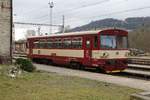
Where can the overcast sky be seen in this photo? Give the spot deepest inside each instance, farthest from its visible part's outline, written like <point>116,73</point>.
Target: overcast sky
<point>76,12</point>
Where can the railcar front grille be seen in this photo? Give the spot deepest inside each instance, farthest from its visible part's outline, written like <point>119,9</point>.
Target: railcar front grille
<point>116,62</point>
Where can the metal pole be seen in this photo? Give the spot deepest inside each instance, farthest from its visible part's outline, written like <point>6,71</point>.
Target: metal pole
<point>39,30</point>
<point>51,5</point>
<point>63,23</point>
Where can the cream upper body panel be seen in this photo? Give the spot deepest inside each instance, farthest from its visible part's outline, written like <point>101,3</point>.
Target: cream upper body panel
<point>109,54</point>
<point>96,54</point>
<point>60,52</point>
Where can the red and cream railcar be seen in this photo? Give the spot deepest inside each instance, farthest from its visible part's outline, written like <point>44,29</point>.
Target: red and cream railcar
<point>103,49</point>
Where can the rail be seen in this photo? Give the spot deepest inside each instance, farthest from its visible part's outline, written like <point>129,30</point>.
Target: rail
<point>142,61</point>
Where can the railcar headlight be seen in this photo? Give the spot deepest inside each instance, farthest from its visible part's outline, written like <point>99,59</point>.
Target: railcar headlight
<point>127,54</point>
<point>105,54</point>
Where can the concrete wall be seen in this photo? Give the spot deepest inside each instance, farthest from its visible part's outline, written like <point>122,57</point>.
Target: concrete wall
<point>5,30</point>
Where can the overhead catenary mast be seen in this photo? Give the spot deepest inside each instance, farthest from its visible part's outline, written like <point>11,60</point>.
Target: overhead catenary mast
<point>63,23</point>
<point>51,5</point>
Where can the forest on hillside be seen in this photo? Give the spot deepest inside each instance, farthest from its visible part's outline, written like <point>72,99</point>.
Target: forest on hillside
<point>129,24</point>
<point>140,38</point>
<point>139,34</point>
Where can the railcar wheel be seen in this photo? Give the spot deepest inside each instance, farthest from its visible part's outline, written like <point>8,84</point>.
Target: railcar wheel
<point>35,60</point>
<point>49,62</point>
<point>100,70</point>
<point>76,65</point>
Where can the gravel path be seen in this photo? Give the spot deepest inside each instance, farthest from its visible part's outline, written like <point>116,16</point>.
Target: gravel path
<point>130,82</point>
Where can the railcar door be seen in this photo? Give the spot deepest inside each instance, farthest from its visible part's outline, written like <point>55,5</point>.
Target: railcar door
<point>88,51</point>
<point>30,47</point>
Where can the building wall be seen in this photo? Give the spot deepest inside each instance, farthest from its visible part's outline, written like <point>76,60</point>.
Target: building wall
<point>20,47</point>
<point>5,30</point>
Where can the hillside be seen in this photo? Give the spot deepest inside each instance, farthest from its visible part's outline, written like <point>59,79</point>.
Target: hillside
<point>128,23</point>
<point>140,38</point>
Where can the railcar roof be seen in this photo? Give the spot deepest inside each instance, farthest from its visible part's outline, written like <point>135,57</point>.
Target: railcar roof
<point>75,33</point>
<point>68,34</point>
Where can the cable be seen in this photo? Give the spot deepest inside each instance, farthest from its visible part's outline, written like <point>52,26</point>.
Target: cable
<point>88,5</point>
<point>124,11</point>
<point>118,12</point>
<point>77,8</point>
<point>114,13</point>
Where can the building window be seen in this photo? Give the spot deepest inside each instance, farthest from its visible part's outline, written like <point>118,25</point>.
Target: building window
<point>27,44</point>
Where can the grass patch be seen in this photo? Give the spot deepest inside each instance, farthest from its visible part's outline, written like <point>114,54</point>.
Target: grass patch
<point>50,86</point>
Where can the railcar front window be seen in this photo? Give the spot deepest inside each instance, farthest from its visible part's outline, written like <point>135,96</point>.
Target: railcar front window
<point>113,42</point>
<point>122,42</point>
<point>108,42</point>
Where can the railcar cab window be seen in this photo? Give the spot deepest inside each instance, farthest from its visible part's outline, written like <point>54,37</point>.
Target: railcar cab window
<point>77,42</point>
<point>122,42</point>
<point>113,42</point>
<point>108,42</point>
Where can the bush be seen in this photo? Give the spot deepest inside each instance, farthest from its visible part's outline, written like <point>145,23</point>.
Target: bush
<point>25,64</point>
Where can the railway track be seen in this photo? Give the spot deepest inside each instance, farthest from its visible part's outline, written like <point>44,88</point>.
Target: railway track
<point>137,71</point>
<point>137,68</point>
<point>139,60</point>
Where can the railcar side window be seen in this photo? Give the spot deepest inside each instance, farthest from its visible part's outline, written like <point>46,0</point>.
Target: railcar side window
<point>95,41</point>
<point>49,43</point>
<point>77,42</point>
<point>88,44</point>
<point>67,43</point>
<point>36,44</point>
<point>57,43</point>
<point>122,42</point>
<point>43,43</point>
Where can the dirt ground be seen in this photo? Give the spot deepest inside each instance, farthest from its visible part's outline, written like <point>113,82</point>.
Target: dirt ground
<point>130,82</point>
